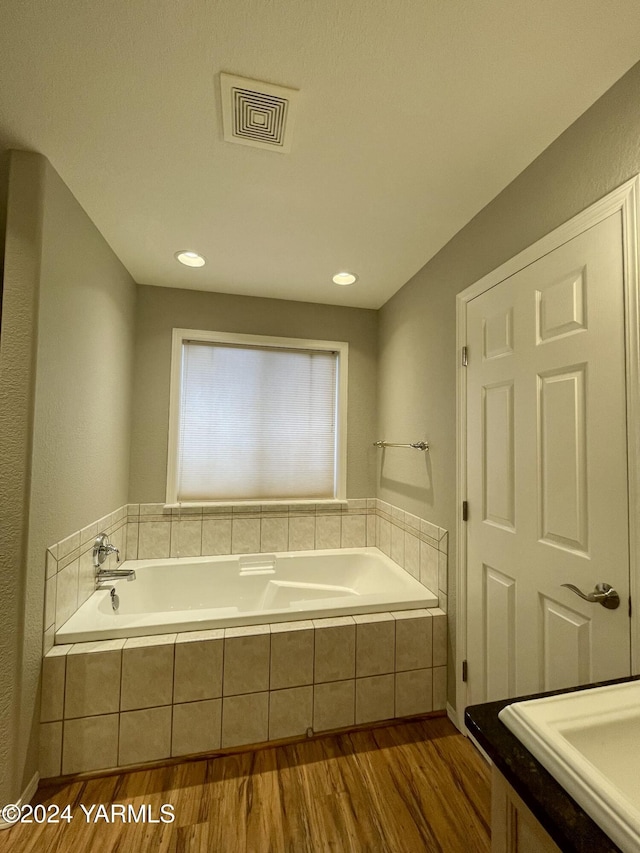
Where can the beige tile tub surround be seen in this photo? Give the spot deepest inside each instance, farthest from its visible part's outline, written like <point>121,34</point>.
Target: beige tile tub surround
<point>415,692</point>
<point>90,743</point>
<point>334,705</point>
<point>198,665</point>
<point>328,531</point>
<point>216,536</point>
<point>439,622</point>
<point>290,712</point>
<point>131,541</point>
<point>50,750</point>
<point>419,546</point>
<point>292,654</point>
<point>414,640</point>
<point>354,531</point>
<point>375,644</point>
<point>439,686</point>
<point>246,660</point>
<point>93,679</point>
<point>412,554</point>
<point>245,719</point>
<point>397,544</point>
<point>53,682</point>
<point>154,540</point>
<point>274,533</point>
<point>87,574</point>
<point>147,531</point>
<point>429,565</point>
<point>145,735</point>
<point>196,727</point>
<point>302,533</point>
<point>245,536</point>
<point>66,592</point>
<point>69,570</point>
<point>117,703</point>
<point>147,672</point>
<point>122,702</point>
<point>186,537</point>
<point>335,651</point>
<point>375,698</point>
<point>233,529</point>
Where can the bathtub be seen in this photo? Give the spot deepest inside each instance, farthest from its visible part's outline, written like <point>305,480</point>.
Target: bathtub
<point>198,593</point>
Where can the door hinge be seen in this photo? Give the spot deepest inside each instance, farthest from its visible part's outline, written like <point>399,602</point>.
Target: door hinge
<point>465,511</point>
<point>465,670</point>
<point>629,606</point>
<point>465,357</point>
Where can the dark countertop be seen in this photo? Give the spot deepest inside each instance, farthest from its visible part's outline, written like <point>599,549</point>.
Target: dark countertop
<point>570,827</point>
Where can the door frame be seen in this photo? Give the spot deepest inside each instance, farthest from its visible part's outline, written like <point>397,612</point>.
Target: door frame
<point>626,201</point>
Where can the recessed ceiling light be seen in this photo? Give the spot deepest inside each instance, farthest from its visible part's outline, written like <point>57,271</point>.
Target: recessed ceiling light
<point>345,278</point>
<point>190,259</point>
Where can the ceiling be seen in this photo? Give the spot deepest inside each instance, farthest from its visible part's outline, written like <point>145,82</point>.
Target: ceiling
<point>412,116</point>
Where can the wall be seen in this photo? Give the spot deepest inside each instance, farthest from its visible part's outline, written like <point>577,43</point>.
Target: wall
<point>161,309</point>
<point>17,371</point>
<point>417,355</point>
<point>4,185</point>
<point>77,467</point>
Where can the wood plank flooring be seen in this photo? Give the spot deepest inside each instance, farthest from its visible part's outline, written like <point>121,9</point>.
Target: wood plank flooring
<point>406,788</point>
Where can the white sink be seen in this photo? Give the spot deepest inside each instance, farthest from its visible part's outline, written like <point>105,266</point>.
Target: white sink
<point>590,742</point>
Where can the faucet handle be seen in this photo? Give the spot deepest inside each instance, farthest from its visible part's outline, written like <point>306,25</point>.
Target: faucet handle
<point>99,551</point>
<point>102,548</point>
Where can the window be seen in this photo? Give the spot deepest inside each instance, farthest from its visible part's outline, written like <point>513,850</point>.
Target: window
<point>256,419</point>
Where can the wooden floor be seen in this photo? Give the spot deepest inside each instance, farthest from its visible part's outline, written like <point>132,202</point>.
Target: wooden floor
<point>406,788</point>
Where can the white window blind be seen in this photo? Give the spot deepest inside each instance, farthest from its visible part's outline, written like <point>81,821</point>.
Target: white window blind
<point>256,423</point>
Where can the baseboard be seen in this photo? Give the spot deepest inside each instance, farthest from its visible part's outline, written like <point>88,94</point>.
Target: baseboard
<point>480,749</point>
<point>459,724</point>
<point>24,798</point>
<point>455,719</point>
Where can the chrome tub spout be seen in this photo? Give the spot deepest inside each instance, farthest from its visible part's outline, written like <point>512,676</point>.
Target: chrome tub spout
<point>114,574</point>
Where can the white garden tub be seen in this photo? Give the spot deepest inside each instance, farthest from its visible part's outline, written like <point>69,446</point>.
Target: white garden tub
<point>197,593</point>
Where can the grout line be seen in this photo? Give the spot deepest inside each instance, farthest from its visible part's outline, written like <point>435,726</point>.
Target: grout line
<point>119,703</point>
<point>172,704</point>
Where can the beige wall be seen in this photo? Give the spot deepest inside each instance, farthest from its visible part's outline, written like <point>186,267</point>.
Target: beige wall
<point>18,336</point>
<point>417,326</point>
<point>83,310</point>
<point>161,309</point>
<point>4,183</point>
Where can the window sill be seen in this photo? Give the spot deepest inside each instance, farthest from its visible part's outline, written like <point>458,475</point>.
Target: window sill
<point>204,504</point>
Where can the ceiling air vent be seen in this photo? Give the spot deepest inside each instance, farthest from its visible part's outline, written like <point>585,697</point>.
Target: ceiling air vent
<point>256,113</point>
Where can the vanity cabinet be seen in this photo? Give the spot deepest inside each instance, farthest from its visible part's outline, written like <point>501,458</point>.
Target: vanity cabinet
<point>513,828</point>
<point>531,811</point>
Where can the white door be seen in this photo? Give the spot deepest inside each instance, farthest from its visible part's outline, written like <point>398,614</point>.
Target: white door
<point>547,472</point>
